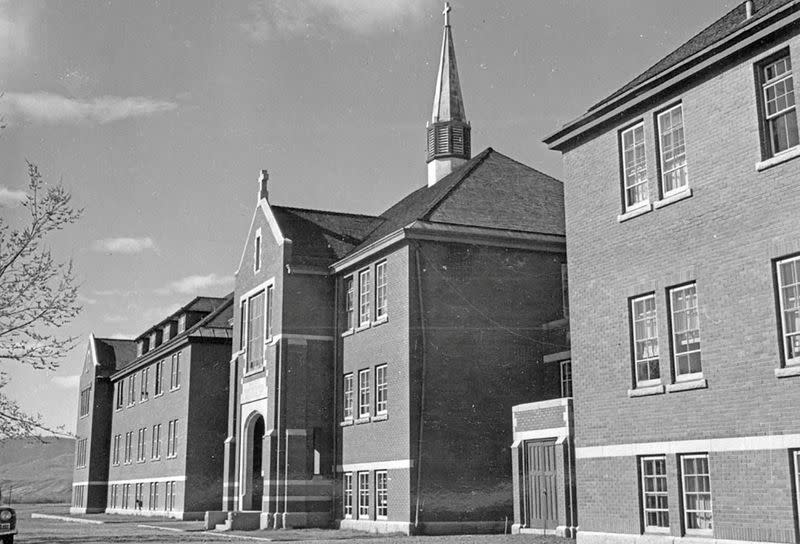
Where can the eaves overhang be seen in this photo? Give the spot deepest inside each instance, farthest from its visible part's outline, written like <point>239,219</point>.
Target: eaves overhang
<point>751,33</point>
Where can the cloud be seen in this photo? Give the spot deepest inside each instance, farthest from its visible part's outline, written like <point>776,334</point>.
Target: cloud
<point>275,19</point>
<point>13,33</point>
<point>115,319</point>
<point>83,299</point>
<point>10,197</point>
<point>193,285</point>
<point>127,246</point>
<point>120,336</point>
<point>52,109</point>
<point>67,382</point>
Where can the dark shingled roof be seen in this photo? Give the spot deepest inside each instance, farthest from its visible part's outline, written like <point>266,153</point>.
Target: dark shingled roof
<point>319,235</point>
<point>491,191</point>
<point>113,353</point>
<point>719,29</point>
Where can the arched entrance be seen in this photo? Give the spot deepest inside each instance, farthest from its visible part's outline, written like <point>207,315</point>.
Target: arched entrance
<point>253,478</point>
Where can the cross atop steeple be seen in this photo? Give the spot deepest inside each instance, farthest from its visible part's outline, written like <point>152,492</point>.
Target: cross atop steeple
<point>446,13</point>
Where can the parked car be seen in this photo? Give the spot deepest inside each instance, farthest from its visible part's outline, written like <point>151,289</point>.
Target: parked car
<point>8,524</point>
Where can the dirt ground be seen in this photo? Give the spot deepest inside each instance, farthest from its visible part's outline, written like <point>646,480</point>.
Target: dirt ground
<point>122,529</point>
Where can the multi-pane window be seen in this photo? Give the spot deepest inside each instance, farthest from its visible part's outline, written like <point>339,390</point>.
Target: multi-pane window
<point>152,502</point>
<point>696,493</point>
<point>645,340</point>
<point>169,496</point>
<point>381,390</point>
<point>566,378</point>
<point>349,303</point>
<point>685,331</point>
<point>132,389</point>
<point>120,393</point>
<point>780,115</point>
<point>141,445</point>
<point>381,300</point>
<point>128,447</point>
<point>381,494</point>
<point>86,395</point>
<point>257,253</point>
<point>672,148</point>
<point>77,495</point>
<point>159,378</point>
<point>175,371</point>
<point>363,393</point>
<point>155,448</point>
<point>172,438</point>
<point>144,391</point>
<point>80,453</point>
<point>139,495</point>
<point>126,495</point>
<point>789,298</point>
<point>364,307</point>
<point>363,495</point>
<point>348,495</point>
<point>115,449</point>
<point>255,331</point>
<point>348,396</point>
<point>112,501</point>
<point>270,304</point>
<point>634,166</point>
<point>654,493</point>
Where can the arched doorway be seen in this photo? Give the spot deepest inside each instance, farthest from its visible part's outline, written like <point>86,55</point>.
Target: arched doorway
<point>253,478</point>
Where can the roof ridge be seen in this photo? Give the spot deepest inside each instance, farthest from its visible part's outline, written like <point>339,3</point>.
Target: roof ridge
<point>479,158</point>
<point>330,212</point>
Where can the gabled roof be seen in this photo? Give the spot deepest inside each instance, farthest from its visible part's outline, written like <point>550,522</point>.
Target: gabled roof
<point>716,31</point>
<point>490,190</point>
<point>114,353</point>
<point>322,235</point>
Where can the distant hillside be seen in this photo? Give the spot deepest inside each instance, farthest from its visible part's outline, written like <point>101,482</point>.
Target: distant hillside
<point>38,472</point>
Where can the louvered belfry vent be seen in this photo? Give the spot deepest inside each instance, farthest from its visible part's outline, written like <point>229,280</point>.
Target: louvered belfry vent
<point>449,139</point>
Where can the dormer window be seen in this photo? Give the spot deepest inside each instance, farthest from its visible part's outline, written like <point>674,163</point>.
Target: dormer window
<point>143,346</point>
<point>181,323</point>
<point>257,252</point>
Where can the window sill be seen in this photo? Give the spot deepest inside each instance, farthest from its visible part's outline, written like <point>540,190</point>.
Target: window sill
<point>380,417</point>
<point>687,385</point>
<point>381,320</point>
<point>787,371</point>
<point>362,420</point>
<point>158,395</point>
<point>346,423</point>
<point>248,373</point>
<point>778,159</point>
<point>363,327</point>
<point>348,332</point>
<point>646,391</point>
<point>674,197</point>
<point>635,212</point>
<point>83,416</point>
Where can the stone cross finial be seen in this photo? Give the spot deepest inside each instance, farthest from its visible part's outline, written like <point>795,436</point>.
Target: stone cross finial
<point>262,182</point>
<point>446,13</point>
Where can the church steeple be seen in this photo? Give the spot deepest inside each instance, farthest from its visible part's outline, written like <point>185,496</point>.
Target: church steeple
<point>448,129</point>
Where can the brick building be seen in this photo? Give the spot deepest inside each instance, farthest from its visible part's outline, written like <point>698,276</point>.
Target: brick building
<point>684,250</point>
<point>152,416</point>
<point>377,359</point>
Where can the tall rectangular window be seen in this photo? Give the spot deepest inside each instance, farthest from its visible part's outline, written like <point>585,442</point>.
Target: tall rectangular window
<point>112,501</point>
<point>270,309</point>
<point>363,393</point>
<point>142,445</point>
<point>685,332</point>
<point>364,306</point>
<point>348,396</point>
<point>348,494</point>
<point>789,300</point>
<point>115,449</point>
<point>155,448</point>
<point>672,150</point>
<point>86,396</point>
<point>349,303</point>
<point>566,378</point>
<point>381,299</point>
<point>152,504</point>
<point>780,115</point>
<point>139,495</point>
<point>159,378</point>
<point>381,494</point>
<point>255,332</point>
<point>172,439</point>
<point>132,389</point>
<point>144,391</point>
<point>363,495</point>
<point>80,453</point>
<point>257,252</point>
<point>242,324</point>
<point>654,493</point>
<point>697,511</point>
<point>120,393</point>
<point>634,167</point>
<point>645,340</point>
<point>381,390</point>
<point>128,447</point>
<point>126,495</point>
<point>175,371</point>
<point>169,497</point>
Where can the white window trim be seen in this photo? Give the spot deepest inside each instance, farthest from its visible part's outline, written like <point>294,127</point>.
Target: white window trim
<point>369,495</point>
<point>385,410</point>
<point>386,491</point>
<point>352,396</point>
<point>787,362</point>
<point>628,210</point>
<point>692,376</point>
<point>678,192</point>
<point>767,117</point>
<point>258,242</point>
<point>243,298</point>
<point>641,384</point>
<point>344,495</point>
<point>361,414</point>
<point>651,528</point>
<point>381,318</point>
<point>364,322</point>
<point>684,513</point>
<point>353,281</point>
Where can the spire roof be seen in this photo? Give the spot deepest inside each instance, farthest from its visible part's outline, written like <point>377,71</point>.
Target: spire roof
<point>448,104</point>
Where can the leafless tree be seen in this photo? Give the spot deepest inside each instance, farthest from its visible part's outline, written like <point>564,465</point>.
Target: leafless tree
<point>38,294</point>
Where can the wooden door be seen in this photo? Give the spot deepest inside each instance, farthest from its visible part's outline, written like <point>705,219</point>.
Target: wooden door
<point>541,489</point>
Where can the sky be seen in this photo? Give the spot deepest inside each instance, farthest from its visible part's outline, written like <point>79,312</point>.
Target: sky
<point>157,116</point>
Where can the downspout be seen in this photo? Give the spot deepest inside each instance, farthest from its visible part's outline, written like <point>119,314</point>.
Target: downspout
<point>418,258</point>
<point>336,397</point>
